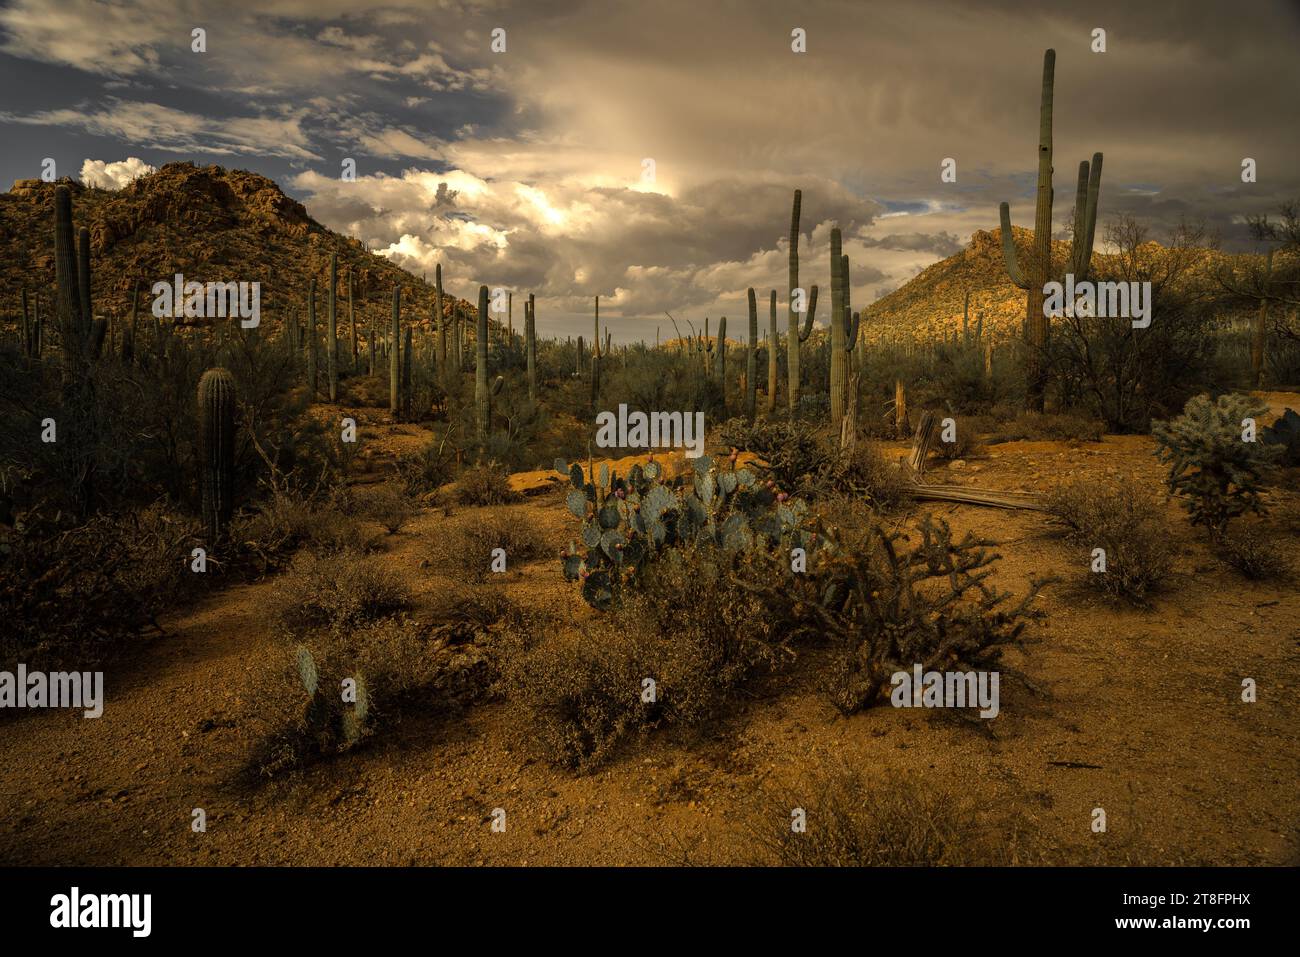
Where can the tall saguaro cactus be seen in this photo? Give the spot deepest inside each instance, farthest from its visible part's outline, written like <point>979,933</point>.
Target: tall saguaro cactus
<point>83,279</point>
<point>68,302</point>
<point>720,359</point>
<point>394,354</point>
<point>440,320</point>
<point>844,330</point>
<point>771,356</point>
<point>331,354</point>
<point>1038,271</point>
<point>482,400</point>
<point>751,358</point>
<point>407,403</point>
<point>312,340</point>
<point>217,450</point>
<point>530,345</point>
<point>795,337</point>
<point>352,319</point>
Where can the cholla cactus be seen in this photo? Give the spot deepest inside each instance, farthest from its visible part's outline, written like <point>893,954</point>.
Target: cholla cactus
<point>1215,461</point>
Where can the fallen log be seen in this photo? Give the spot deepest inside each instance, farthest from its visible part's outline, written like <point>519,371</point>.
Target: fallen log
<point>975,496</point>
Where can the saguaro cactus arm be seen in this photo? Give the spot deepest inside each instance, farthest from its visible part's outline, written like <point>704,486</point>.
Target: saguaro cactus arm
<point>812,313</point>
<point>1009,257</point>
<point>1085,216</point>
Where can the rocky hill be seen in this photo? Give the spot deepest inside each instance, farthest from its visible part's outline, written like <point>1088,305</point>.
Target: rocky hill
<point>930,306</point>
<point>209,224</point>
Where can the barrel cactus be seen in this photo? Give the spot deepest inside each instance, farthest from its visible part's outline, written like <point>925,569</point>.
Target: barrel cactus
<point>217,449</point>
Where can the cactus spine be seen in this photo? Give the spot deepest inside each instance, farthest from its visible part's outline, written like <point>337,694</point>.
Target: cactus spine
<point>394,350</point>
<point>217,450</point>
<point>771,356</point>
<point>530,346</point>
<point>751,357</point>
<point>482,400</point>
<point>331,353</point>
<point>1039,270</point>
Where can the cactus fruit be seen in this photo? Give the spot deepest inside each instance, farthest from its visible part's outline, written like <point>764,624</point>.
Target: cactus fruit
<point>216,400</point>
<point>482,400</point>
<point>1039,269</point>
<point>331,321</point>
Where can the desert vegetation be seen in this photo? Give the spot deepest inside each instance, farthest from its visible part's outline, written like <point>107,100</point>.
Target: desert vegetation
<point>398,496</point>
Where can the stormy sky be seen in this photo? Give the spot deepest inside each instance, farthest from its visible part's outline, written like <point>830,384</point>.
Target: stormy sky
<point>527,168</point>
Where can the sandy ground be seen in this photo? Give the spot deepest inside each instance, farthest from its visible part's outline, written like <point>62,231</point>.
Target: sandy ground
<point>1142,716</point>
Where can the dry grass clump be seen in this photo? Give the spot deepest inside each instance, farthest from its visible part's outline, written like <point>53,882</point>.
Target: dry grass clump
<point>674,655</point>
<point>463,546</point>
<point>1129,526</point>
<point>850,821</point>
<point>485,484</point>
<point>334,592</point>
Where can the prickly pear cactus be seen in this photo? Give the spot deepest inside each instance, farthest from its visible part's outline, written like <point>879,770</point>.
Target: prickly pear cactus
<point>630,521</point>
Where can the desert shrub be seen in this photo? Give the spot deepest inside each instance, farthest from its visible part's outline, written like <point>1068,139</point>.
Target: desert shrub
<point>792,453</point>
<point>393,666</point>
<point>1129,527</point>
<point>1127,376</point>
<point>80,594</point>
<point>288,521</point>
<point>963,444</point>
<point>428,469</point>
<point>1285,434</point>
<point>390,507</point>
<point>866,474</point>
<point>856,822</point>
<point>1218,474</point>
<point>1047,427</point>
<point>463,546</point>
<point>487,483</point>
<point>1253,555</point>
<point>337,592</point>
<point>689,629</point>
<point>886,604</point>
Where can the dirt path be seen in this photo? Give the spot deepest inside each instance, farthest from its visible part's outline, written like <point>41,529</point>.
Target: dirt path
<point>1142,717</point>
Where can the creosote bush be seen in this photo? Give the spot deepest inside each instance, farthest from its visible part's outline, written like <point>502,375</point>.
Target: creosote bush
<point>487,483</point>
<point>1253,555</point>
<point>390,507</point>
<point>687,629</point>
<point>462,546</point>
<point>337,591</point>
<point>1128,526</point>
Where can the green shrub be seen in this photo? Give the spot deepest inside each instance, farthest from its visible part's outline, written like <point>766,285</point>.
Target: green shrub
<point>1217,472</point>
<point>1128,526</point>
<point>485,484</point>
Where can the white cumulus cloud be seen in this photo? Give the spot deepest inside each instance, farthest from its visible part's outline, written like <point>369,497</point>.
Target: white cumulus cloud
<point>101,175</point>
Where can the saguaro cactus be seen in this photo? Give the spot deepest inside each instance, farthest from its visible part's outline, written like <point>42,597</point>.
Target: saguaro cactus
<point>844,330</point>
<point>720,358</point>
<point>68,301</point>
<point>751,358</point>
<point>352,319</point>
<point>406,376</point>
<point>530,346</point>
<point>795,337</point>
<point>482,400</point>
<point>771,356</point>
<point>331,353</point>
<point>83,279</point>
<point>217,450</point>
<point>1039,269</point>
<point>312,340</point>
<point>578,370</point>
<point>440,320</point>
<point>394,354</point>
